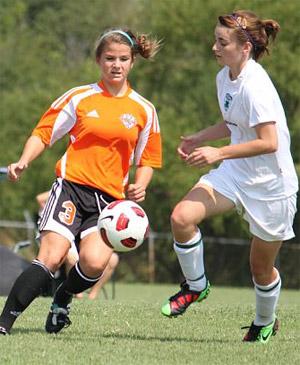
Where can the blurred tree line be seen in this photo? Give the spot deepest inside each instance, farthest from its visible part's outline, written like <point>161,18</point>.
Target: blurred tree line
<point>46,48</point>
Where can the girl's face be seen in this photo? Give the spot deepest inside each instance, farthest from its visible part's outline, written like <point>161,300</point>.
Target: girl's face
<point>115,63</point>
<point>227,49</point>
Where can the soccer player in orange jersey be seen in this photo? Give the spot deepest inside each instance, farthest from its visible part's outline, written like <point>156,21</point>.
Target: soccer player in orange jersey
<point>110,127</point>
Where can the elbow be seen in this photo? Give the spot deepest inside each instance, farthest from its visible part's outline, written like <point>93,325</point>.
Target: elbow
<point>272,147</point>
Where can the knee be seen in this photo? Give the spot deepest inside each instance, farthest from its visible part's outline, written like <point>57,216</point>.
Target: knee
<point>92,267</point>
<point>53,261</point>
<point>53,250</point>
<point>179,219</point>
<point>114,261</point>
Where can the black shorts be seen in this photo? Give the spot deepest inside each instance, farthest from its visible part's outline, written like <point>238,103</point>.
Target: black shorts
<point>73,209</point>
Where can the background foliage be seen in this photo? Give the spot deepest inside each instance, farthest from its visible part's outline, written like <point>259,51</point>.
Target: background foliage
<point>46,48</point>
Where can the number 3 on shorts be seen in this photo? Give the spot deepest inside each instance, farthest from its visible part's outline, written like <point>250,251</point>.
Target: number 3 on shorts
<point>68,215</point>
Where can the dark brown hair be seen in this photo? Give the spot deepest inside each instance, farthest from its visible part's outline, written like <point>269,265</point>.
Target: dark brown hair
<point>250,28</point>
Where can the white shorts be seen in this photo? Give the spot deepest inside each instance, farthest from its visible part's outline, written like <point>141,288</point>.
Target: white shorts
<point>270,220</point>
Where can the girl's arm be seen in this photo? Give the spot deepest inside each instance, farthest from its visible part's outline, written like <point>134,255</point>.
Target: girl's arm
<point>32,149</point>
<point>189,143</point>
<point>137,191</point>
<point>266,142</point>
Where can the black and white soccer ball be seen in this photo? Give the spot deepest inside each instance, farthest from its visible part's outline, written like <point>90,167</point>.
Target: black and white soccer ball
<point>123,225</point>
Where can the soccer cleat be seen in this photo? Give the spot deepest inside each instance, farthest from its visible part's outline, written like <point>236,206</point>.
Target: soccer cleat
<point>57,319</point>
<point>3,331</point>
<point>261,333</point>
<point>178,303</point>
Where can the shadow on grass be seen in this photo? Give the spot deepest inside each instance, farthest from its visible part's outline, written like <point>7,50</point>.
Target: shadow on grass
<point>165,339</point>
<point>20,331</point>
<point>70,336</point>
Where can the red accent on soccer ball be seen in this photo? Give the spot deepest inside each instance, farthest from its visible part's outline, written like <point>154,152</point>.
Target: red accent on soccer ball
<point>129,242</point>
<point>104,237</point>
<point>113,204</point>
<point>122,222</point>
<point>138,211</point>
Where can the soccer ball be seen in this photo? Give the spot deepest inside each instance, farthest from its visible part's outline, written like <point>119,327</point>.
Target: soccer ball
<point>123,225</point>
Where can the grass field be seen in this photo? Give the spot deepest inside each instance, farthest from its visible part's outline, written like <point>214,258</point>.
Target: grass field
<point>130,330</point>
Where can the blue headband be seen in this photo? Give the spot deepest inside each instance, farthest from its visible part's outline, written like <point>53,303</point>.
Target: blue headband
<point>130,40</point>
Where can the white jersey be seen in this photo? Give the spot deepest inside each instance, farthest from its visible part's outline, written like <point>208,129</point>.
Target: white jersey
<point>249,100</point>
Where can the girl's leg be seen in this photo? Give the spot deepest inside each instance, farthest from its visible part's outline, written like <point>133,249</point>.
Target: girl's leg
<point>107,274</point>
<point>266,279</point>
<point>201,202</point>
<point>93,258</point>
<point>94,255</point>
<point>70,261</point>
<point>33,281</point>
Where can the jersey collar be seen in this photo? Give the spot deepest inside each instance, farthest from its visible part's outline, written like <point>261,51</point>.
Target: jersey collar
<point>107,93</point>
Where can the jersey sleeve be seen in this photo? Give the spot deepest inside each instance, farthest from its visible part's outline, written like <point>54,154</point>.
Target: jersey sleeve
<point>259,103</point>
<point>149,149</point>
<point>57,121</point>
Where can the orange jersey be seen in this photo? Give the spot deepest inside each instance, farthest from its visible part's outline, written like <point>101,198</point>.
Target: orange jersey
<point>107,134</point>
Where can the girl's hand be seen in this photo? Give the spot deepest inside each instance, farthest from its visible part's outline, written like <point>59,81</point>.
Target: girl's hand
<point>187,145</point>
<point>15,170</point>
<point>136,192</point>
<point>203,156</point>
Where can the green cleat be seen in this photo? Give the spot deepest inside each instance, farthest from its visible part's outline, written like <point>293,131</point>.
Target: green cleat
<point>261,333</point>
<point>178,303</point>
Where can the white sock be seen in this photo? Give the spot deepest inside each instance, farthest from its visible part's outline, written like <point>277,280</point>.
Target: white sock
<point>266,301</point>
<point>190,256</point>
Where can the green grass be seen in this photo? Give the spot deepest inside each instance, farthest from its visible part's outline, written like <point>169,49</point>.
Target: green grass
<point>130,330</point>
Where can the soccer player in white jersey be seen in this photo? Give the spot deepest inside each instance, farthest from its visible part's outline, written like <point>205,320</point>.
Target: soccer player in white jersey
<point>256,175</point>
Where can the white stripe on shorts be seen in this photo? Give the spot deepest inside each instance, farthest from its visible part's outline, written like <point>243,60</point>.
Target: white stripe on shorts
<point>47,222</point>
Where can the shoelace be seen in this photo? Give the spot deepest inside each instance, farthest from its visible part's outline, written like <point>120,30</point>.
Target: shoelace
<point>185,290</point>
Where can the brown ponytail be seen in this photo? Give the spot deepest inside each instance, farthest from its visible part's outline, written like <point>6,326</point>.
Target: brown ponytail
<point>271,28</point>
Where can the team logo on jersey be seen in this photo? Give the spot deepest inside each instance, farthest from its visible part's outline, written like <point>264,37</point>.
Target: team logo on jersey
<point>128,120</point>
<point>227,101</point>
